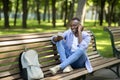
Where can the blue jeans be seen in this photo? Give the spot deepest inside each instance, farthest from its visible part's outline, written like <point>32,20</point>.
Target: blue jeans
<point>75,59</point>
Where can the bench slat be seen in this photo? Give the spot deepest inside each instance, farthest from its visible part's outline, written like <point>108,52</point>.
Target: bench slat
<point>23,41</point>
<point>10,54</point>
<point>8,67</point>
<point>25,36</point>
<point>9,73</point>
<point>16,76</point>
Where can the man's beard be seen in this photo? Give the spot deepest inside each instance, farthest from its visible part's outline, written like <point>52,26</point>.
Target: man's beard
<point>74,31</point>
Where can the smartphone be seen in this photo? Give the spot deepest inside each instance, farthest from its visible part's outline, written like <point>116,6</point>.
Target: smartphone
<point>77,29</point>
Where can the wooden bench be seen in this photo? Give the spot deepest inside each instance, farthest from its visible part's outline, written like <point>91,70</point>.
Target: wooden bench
<point>114,33</point>
<point>11,46</point>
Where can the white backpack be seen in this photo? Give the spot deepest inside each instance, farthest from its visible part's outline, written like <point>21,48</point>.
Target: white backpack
<point>30,65</point>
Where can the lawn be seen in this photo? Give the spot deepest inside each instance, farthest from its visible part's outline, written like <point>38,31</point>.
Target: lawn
<point>102,37</point>
<point>103,41</point>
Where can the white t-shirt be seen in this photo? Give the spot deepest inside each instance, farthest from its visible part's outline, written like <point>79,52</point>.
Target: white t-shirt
<point>74,44</point>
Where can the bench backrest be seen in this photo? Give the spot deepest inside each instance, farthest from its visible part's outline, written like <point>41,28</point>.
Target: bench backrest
<point>115,39</point>
<point>11,47</point>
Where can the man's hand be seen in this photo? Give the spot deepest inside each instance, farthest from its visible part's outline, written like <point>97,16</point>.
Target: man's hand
<point>80,28</point>
<point>78,31</point>
<point>58,38</point>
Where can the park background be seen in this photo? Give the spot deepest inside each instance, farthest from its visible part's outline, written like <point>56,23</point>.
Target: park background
<point>38,16</point>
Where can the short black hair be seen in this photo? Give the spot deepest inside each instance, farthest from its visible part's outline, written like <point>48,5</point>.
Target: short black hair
<point>76,18</point>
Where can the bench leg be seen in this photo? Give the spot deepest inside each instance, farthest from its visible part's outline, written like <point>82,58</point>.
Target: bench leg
<point>116,71</point>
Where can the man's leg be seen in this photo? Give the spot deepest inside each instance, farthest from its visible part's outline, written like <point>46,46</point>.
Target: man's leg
<point>61,50</point>
<point>80,62</point>
<point>74,57</point>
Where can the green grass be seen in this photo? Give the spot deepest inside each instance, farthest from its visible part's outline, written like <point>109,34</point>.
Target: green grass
<point>102,37</point>
<point>102,41</point>
<point>33,27</point>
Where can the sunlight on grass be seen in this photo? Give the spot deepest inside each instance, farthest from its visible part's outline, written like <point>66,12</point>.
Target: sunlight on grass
<point>105,49</point>
<point>103,42</point>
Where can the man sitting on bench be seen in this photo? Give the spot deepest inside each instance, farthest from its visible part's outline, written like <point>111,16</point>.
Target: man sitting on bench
<point>72,46</point>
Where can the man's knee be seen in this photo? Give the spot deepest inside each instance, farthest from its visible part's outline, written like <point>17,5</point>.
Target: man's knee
<point>82,51</point>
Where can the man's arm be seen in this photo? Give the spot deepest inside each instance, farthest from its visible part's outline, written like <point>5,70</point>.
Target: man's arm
<point>86,38</point>
<point>80,33</point>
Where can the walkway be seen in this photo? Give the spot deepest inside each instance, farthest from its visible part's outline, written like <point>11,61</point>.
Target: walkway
<point>103,74</point>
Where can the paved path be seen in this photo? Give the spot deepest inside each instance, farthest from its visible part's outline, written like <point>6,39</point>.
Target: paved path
<point>103,74</point>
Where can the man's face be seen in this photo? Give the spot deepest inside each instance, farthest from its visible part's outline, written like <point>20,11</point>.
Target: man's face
<point>74,25</point>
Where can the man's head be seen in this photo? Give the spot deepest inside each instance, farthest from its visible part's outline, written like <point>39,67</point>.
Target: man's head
<point>74,24</point>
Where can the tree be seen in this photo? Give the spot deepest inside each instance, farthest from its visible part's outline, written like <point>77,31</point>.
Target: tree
<point>71,10</point>
<point>37,11</point>
<point>54,13</point>
<point>110,10</point>
<point>6,10</point>
<point>0,9</point>
<point>17,4</point>
<point>80,13</point>
<point>97,8</point>
<point>102,5</point>
<point>100,8</point>
<point>45,9</point>
<point>66,12</point>
<point>48,11</point>
<point>25,12</point>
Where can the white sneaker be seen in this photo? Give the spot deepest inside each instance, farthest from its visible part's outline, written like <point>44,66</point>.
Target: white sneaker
<point>68,69</point>
<point>55,69</point>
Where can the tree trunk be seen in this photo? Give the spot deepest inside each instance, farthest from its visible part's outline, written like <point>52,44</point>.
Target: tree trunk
<point>37,11</point>
<point>109,14</point>
<point>96,11</point>
<point>48,12</point>
<point>96,14</point>
<point>81,10</point>
<point>119,22</point>
<point>25,12</point>
<point>0,12</point>
<point>53,13</point>
<point>101,12</point>
<point>17,4</point>
<point>62,10</point>
<point>66,11</point>
<point>6,10</point>
<point>45,9</point>
<point>111,7</point>
<point>71,10</point>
